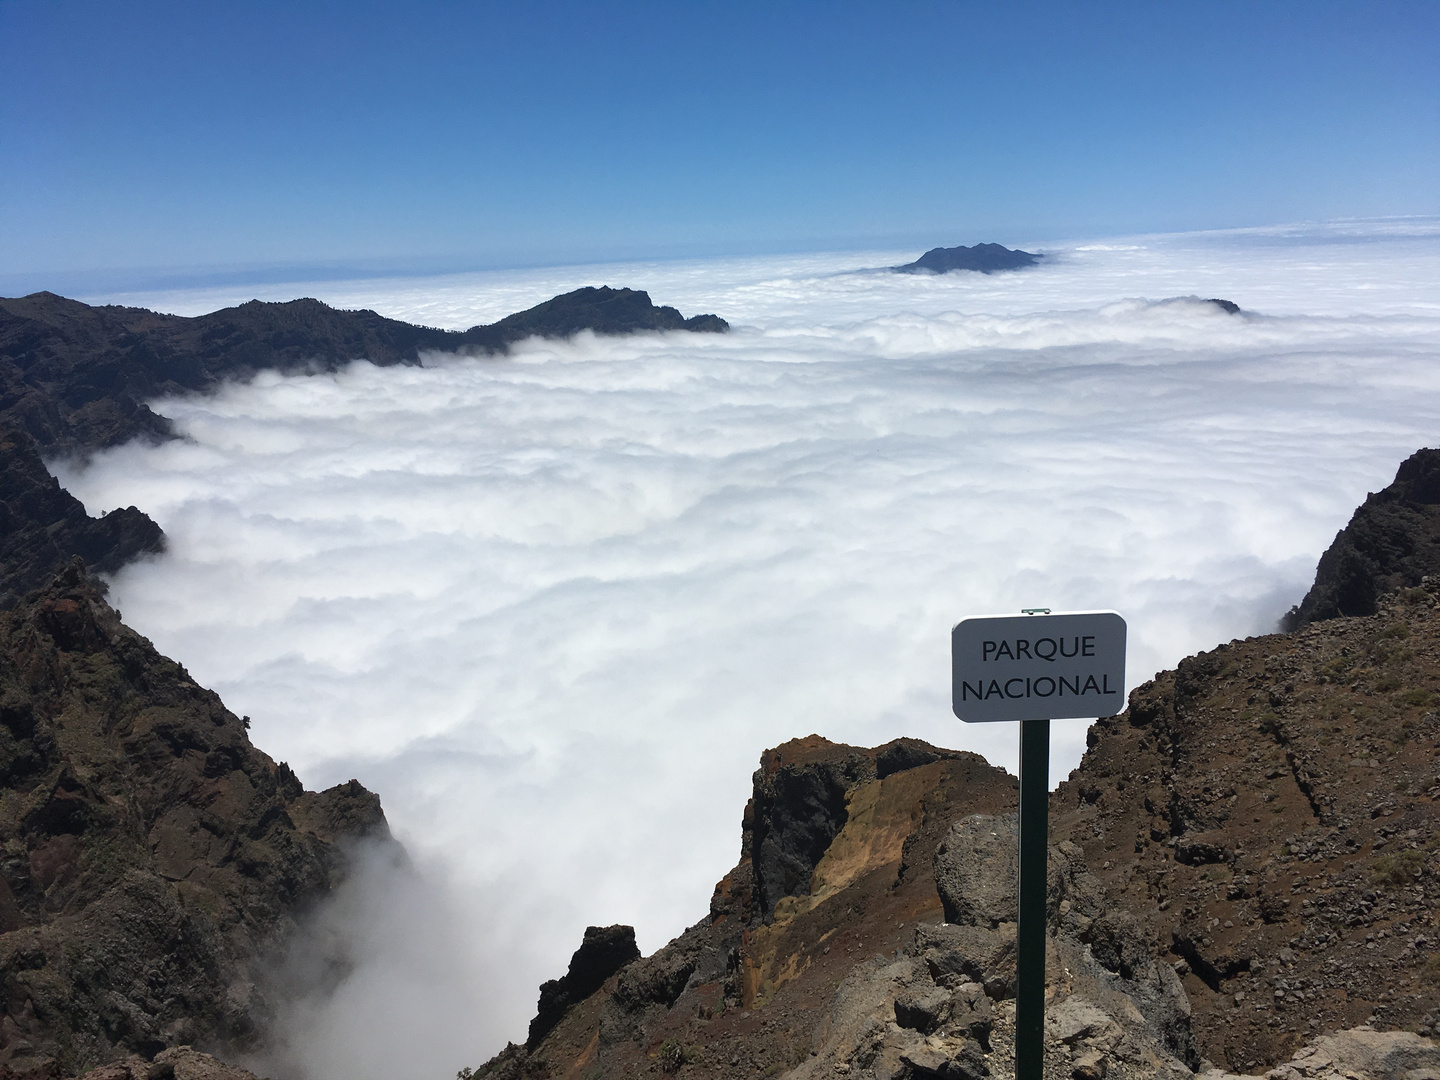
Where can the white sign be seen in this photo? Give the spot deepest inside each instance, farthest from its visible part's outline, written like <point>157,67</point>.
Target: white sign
<point>1038,667</point>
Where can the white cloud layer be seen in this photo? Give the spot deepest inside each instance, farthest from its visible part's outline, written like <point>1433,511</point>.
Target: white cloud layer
<point>553,606</point>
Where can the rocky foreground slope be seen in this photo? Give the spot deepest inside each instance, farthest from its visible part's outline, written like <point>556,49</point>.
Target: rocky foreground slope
<point>1245,874</point>
<point>150,857</point>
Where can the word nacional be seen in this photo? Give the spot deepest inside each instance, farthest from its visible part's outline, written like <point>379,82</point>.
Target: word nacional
<point>1024,667</point>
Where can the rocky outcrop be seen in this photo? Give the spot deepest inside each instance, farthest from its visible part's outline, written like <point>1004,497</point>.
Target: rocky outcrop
<point>982,258</point>
<point>150,856</point>
<point>798,808</point>
<point>856,974</point>
<point>976,868</point>
<point>838,844</point>
<point>603,951</point>
<point>77,377</point>
<point>43,526</point>
<point>1358,1052</point>
<point>1392,542</point>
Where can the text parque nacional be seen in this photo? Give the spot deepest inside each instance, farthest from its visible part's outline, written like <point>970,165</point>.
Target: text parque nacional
<point>1018,667</point>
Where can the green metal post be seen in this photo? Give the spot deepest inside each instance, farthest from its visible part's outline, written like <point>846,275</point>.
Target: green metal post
<point>1030,936</point>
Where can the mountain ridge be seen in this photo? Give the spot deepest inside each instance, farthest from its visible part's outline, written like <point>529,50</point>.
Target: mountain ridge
<point>77,377</point>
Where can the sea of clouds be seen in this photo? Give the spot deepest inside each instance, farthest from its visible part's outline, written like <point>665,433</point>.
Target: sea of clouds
<point>553,606</point>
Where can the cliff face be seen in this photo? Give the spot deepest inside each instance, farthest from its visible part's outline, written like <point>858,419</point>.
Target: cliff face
<point>1391,542</point>
<point>42,526</point>
<point>150,856</point>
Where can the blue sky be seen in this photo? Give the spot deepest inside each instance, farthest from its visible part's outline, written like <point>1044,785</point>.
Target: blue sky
<point>223,139</point>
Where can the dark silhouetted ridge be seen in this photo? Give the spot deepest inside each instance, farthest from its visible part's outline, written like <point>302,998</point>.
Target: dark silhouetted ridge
<point>77,377</point>
<point>984,258</point>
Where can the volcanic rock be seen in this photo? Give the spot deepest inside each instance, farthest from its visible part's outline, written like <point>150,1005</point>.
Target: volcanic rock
<point>1304,767</point>
<point>150,856</point>
<point>984,258</point>
<point>43,526</point>
<point>976,868</point>
<point>1392,542</point>
<point>1358,1052</point>
<point>835,870</point>
<point>603,951</point>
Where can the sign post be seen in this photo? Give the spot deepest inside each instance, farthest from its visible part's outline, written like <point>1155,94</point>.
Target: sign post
<point>1034,668</point>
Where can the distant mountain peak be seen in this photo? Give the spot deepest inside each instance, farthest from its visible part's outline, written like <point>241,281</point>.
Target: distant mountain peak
<point>983,258</point>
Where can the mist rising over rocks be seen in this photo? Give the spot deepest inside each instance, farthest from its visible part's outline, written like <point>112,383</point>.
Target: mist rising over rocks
<point>174,884</point>
<point>577,591</point>
<point>1242,874</point>
<point>1238,436</point>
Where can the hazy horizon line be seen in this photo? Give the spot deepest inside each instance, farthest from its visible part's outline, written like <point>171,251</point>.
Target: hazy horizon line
<point>77,283</point>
